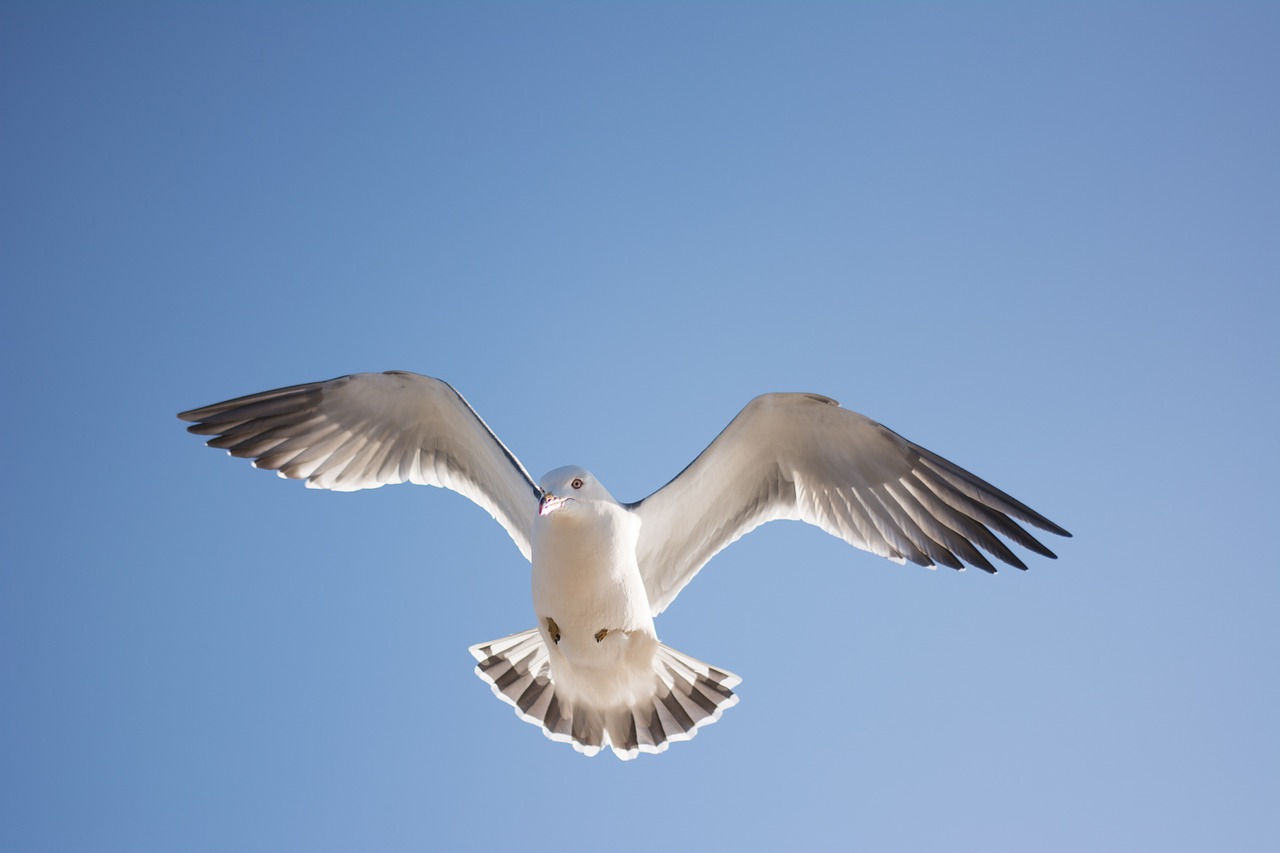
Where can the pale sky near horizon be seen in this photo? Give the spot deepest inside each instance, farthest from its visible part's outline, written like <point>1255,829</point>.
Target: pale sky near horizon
<point>1038,239</point>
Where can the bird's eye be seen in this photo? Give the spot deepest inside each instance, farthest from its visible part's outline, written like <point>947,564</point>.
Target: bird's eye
<point>577,483</point>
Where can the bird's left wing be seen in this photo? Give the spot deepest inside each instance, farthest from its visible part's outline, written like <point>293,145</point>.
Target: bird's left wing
<point>370,429</point>
<point>801,456</point>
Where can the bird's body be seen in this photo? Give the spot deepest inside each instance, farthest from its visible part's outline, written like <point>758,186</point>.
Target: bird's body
<point>593,672</point>
<point>589,598</point>
<point>612,681</point>
<point>585,575</point>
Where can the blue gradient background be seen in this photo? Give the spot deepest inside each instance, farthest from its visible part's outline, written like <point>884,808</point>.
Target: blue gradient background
<point>1039,239</point>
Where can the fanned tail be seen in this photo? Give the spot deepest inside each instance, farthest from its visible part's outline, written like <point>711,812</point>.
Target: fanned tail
<point>679,696</point>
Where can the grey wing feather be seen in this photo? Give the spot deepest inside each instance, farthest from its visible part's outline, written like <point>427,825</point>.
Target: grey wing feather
<point>368,430</point>
<point>802,457</point>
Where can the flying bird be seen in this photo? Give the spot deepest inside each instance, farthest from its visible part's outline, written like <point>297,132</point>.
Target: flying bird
<point>593,673</point>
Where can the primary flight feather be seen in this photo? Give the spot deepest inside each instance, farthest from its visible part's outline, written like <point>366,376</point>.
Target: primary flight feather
<point>592,673</point>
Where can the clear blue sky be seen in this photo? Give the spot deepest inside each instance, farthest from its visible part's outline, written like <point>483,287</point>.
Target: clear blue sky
<point>1042,240</point>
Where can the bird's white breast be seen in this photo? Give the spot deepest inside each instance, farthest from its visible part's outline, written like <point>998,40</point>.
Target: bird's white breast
<point>586,579</point>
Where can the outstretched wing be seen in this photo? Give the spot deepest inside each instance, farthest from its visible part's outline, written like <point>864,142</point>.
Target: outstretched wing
<point>369,429</point>
<point>801,456</point>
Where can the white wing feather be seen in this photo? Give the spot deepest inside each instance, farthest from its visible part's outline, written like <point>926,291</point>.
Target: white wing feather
<point>801,456</point>
<point>368,430</point>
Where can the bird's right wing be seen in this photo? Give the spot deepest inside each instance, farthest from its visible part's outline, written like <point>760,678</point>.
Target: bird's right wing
<point>367,430</point>
<point>802,457</point>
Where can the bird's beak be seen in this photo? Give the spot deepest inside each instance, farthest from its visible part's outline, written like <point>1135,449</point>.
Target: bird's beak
<point>550,503</point>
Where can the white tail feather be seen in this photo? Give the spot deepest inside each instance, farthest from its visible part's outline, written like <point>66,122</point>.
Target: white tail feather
<point>685,695</point>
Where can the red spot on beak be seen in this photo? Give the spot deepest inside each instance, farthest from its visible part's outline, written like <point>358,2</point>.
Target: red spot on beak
<point>550,503</point>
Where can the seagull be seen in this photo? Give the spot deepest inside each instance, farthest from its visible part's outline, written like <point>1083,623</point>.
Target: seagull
<point>593,673</point>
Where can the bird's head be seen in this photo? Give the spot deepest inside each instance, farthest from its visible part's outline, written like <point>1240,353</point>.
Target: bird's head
<point>566,487</point>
